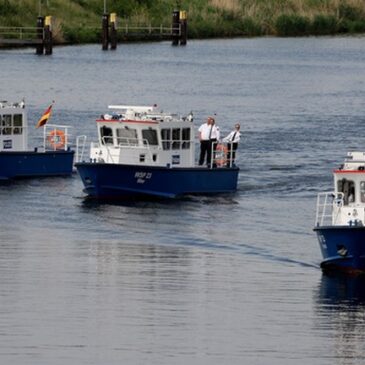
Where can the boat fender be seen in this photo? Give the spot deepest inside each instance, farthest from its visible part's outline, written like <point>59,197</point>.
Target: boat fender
<point>56,139</point>
<point>221,155</point>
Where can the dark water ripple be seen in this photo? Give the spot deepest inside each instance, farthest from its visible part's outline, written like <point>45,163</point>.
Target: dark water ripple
<point>204,280</point>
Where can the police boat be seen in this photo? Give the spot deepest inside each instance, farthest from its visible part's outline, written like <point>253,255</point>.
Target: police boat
<point>340,218</point>
<point>144,152</point>
<point>53,158</point>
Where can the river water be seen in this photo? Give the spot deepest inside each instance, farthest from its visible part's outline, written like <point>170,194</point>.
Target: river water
<point>231,279</point>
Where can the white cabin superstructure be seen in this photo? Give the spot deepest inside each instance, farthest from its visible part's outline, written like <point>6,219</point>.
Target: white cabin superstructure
<point>142,135</point>
<point>13,126</point>
<point>345,206</point>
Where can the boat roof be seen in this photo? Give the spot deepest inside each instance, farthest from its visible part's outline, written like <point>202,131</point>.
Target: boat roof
<point>4,104</point>
<point>354,163</point>
<point>141,113</point>
<point>136,108</point>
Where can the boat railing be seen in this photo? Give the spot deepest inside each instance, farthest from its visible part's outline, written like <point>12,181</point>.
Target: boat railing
<point>56,137</point>
<point>127,142</point>
<point>223,155</point>
<point>146,146</point>
<point>105,141</point>
<point>80,148</point>
<point>132,143</point>
<point>326,203</point>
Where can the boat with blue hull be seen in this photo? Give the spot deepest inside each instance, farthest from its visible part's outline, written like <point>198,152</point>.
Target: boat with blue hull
<point>53,158</point>
<point>35,164</point>
<point>340,218</point>
<point>142,152</point>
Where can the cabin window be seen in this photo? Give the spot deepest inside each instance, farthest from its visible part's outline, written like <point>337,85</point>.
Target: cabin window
<point>127,137</point>
<point>176,138</point>
<point>186,138</point>
<point>106,135</point>
<point>362,191</point>
<point>18,124</point>
<point>6,124</point>
<point>150,137</point>
<point>347,187</point>
<point>166,138</point>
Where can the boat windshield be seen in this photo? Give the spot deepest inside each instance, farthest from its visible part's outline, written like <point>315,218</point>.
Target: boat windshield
<point>106,135</point>
<point>127,137</point>
<point>347,187</point>
<point>150,137</point>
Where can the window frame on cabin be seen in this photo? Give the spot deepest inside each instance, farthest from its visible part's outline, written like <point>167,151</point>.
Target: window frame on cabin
<point>126,136</point>
<point>6,127</point>
<point>348,191</point>
<point>106,139</point>
<point>18,124</point>
<point>166,138</point>
<point>150,136</point>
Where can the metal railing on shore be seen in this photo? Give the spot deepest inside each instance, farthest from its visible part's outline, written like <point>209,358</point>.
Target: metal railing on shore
<point>130,30</point>
<point>149,29</point>
<point>20,35</point>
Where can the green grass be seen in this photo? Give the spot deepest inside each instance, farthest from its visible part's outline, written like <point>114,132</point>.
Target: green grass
<point>79,21</point>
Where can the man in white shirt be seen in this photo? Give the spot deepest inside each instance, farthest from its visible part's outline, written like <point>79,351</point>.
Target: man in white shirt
<point>232,139</point>
<point>208,133</point>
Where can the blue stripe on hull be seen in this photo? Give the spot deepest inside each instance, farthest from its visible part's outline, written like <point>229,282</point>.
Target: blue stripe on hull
<point>115,180</point>
<point>343,248</point>
<point>35,164</point>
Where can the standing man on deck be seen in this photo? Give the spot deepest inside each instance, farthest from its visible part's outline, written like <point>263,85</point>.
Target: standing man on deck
<point>208,134</point>
<point>232,139</point>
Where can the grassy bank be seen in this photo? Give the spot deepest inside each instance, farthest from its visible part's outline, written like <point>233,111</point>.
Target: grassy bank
<point>78,21</point>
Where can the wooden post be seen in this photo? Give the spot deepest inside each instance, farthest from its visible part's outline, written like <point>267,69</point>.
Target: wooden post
<point>48,41</point>
<point>40,26</point>
<point>175,27</point>
<point>105,32</point>
<point>113,31</point>
<point>183,28</point>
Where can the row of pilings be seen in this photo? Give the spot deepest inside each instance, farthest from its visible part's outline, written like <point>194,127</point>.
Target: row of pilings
<point>179,30</point>
<point>44,35</point>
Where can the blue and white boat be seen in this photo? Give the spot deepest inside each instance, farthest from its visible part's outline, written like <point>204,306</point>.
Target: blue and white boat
<point>144,152</point>
<point>340,218</point>
<point>53,158</point>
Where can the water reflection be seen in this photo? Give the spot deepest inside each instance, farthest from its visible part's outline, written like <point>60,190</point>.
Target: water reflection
<point>340,308</point>
<point>218,199</point>
<point>342,290</point>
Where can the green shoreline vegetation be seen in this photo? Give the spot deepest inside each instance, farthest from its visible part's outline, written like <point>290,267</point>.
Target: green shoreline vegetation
<point>79,21</point>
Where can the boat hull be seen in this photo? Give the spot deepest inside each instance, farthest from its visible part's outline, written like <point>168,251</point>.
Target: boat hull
<point>25,164</point>
<point>106,181</point>
<point>342,247</point>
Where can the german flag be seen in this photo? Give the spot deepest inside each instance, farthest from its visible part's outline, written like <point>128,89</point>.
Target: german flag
<point>44,118</point>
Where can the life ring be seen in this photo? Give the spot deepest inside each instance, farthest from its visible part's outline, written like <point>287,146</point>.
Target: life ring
<point>221,152</point>
<point>56,139</point>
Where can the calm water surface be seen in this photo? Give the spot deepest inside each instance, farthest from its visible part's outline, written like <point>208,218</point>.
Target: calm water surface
<point>205,280</point>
